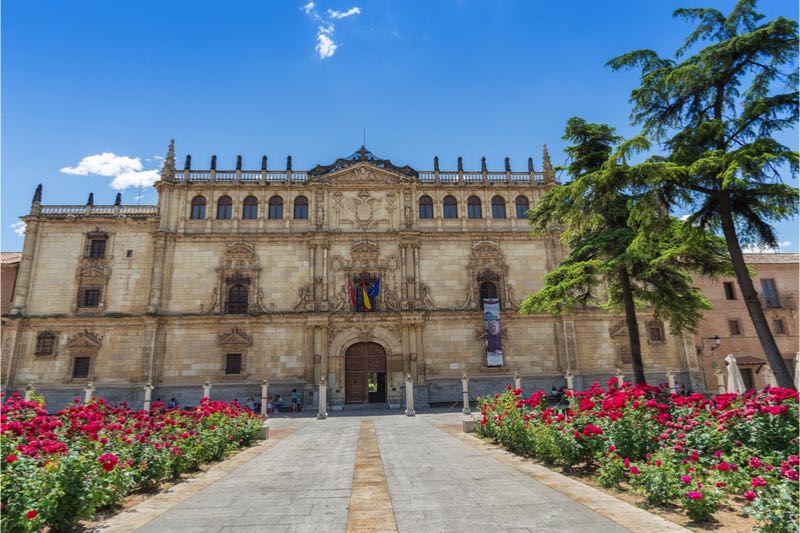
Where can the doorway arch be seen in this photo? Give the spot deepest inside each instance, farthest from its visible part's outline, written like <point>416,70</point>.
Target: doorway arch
<point>365,373</point>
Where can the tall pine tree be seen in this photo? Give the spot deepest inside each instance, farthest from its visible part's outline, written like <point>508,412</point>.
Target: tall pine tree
<point>638,259</point>
<point>716,108</point>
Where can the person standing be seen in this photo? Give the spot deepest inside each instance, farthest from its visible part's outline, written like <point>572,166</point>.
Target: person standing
<point>295,400</point>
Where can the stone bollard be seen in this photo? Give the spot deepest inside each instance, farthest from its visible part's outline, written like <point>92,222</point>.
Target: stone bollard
<point>720,381</point>
<point>517,381</point>
<point>620,377</point>
<point>88,390</point>
<point>29,390</point>
<point>410,396</point>
<point>465,394</point>
<point>207,389</point>
<point>148,391</point>
<point>322,414</point>
<point>671,381</point>
<point>769,377</point>
<point>264,396</point>
<point>570,378</point>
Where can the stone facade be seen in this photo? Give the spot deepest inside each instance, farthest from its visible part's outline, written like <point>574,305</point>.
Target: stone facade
<point>238,276</point>
<point>730,321</point>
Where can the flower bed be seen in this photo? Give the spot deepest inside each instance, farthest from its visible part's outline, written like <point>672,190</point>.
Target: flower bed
<point>59,469</point>
<point>689,451</point>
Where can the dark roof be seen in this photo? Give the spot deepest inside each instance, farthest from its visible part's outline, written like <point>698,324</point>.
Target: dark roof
<point>362,155</point>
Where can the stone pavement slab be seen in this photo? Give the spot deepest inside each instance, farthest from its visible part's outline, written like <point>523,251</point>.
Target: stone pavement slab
<point>378,472</point>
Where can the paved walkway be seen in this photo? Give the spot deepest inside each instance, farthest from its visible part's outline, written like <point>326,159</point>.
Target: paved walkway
<point>333,475</point>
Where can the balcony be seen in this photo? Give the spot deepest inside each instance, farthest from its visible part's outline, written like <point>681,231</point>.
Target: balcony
<point>781,300</point>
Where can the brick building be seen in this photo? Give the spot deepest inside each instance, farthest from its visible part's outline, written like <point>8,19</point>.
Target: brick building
<point>239,275</point>
<point>775,277</point>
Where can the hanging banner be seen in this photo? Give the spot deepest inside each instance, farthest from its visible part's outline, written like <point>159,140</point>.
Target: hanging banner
<point>491,321</point>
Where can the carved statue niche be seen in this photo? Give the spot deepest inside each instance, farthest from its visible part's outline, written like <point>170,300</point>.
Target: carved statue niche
<point>487,264</point>
<point>237,290</point>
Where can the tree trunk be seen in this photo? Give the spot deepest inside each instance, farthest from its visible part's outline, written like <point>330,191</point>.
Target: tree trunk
<point>745,282</point>
<point>633,327</point>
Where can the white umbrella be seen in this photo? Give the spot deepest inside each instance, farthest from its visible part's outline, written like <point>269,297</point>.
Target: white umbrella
<point>735,381</point>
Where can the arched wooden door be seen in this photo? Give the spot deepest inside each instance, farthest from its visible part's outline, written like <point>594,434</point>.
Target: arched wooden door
<point>365,373</point>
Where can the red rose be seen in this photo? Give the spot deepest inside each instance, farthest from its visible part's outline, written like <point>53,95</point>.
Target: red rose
<point>750,495</point>
<point>11,458</point>
<point>30,515</point>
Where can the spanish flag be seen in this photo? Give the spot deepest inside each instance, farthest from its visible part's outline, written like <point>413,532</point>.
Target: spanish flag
<point>367,303</point>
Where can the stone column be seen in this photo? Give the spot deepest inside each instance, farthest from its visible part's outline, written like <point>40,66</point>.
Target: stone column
<point>322,414</point>
<point>88,390</point>
<point>569,377</point>
<point>29,390</point>
<point>207,389</point>
<point>264,389</point>
<point>620,377</point>
<point>325,289</point>
<point>517,381</point>
<point>26,264</point>
<point>415,247</point>
<point>465,394</point>
<point>409,396</point>
<point>412,350</point>
<point>720,381</point>
<point>148,391</point>
<point>158,272</point>
<point>420,351</point>
<point>671,381</point>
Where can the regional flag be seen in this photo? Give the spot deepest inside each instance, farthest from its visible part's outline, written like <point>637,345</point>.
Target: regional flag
<point>367,303</point>
<point>352,292</point>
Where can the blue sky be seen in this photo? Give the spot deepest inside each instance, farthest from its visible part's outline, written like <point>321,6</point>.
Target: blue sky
<point>446,78</point>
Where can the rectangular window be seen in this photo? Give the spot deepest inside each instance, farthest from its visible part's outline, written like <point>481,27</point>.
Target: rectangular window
<point>735,327</point>
<point>779,326</point>
<point>45,344</point>
<point>80,367</point>
<point>129,254</point>
<point>97,248</point>
<point>90,298</point>
<point>233,363</point>
<point>656,332</point>
<point>730,292</point>
<point>769,293</point>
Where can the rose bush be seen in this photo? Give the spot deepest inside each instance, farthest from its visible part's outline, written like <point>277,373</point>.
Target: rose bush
<point>59,469</point>
<point>692,451</point>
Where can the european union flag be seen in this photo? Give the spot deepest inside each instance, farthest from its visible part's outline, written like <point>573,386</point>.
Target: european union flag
<point>373,291</point>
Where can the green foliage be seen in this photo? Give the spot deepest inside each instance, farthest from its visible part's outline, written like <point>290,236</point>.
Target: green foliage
<point>620,239</point>
<point>716,109</point>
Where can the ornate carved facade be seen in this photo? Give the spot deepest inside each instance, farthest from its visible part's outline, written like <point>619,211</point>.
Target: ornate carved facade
<point>236,276</point>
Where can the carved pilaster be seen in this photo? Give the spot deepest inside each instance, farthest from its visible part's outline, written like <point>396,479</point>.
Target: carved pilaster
<point>160,245</point>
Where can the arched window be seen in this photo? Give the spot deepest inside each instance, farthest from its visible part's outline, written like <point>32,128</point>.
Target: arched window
<point>425,207</point>
<point>498,207</point>
<point>275,208</point>
<point>301,208</point>
<point>473,207</point>
<point>250,208</point>
<point>237,300</point>
<point>522,206</point>
<point>198,208</point>
<point>488,290</point>
<point>224,208</point>
<point>450,207</point>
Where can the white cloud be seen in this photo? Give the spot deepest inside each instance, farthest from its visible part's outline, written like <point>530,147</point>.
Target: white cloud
<point>126,171</point>
<point>325,46</point>
<point>332,13</point>
<point>758,249</point>
<point>19,228</point>
<point>105,164</point>
<point>144,178</point>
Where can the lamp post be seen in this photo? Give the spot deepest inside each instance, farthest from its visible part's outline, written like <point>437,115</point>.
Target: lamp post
<point>715,342</point>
